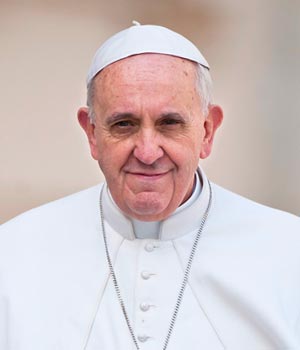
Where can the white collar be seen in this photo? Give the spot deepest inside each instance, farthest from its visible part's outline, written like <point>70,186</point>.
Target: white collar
<point>189,213</point>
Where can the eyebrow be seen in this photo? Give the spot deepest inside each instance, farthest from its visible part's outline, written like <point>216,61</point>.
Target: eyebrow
<point>171,115</point>
<point>119,116</point>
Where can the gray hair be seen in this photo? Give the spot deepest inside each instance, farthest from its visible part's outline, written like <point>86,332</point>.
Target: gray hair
<point>203,85</point>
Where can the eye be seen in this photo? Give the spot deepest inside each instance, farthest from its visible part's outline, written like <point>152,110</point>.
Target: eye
<point>123,127</point>
<point>123,124</point>
<point>170,121</point>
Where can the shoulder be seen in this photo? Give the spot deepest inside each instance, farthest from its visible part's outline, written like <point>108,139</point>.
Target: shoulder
<point>230,203</point>
<point>256,226</point>
<point>73,204</point>
<point>58,219</point>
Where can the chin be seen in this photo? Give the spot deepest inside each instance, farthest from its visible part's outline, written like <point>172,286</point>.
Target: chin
<point>148,210</point>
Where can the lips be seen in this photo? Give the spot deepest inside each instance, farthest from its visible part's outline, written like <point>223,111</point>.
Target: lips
<point>147,175</point>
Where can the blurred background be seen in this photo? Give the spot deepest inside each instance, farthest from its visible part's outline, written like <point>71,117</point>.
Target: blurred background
<point>46,47</point>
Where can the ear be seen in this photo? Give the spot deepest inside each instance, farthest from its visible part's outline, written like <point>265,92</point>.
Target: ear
<point>211,124</point>
<point>89,128</point>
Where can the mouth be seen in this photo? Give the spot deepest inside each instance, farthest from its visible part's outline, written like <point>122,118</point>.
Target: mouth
<point>148,175</point>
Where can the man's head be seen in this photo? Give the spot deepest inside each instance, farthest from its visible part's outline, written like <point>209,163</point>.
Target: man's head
<point>150,127</point>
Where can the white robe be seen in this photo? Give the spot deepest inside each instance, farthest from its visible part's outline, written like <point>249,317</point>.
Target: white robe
<point>243,292</point>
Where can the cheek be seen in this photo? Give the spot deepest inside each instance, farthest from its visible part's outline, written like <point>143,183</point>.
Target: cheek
<point>198,143</point>
<point>112,157</point>
<point>187,151</point>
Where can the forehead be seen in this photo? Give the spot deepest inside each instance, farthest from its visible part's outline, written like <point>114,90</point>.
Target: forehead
<point>148,71</point>
<point>148,84</point>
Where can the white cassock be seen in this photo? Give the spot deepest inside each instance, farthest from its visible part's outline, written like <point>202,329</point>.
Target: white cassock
<point>243,292</point>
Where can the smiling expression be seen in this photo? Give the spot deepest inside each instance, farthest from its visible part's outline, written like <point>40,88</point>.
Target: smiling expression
<point>149,132</point>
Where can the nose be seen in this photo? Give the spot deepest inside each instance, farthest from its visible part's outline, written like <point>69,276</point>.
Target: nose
<point>148,148</point>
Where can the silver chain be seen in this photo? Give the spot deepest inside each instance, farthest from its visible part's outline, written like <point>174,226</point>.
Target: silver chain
<point>183,283</point>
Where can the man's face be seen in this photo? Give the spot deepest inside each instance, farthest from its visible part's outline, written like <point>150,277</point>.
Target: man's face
<point>149,133</point>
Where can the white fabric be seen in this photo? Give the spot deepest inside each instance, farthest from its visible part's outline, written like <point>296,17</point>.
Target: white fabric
<point>140,39</point>
<point>243,292</point>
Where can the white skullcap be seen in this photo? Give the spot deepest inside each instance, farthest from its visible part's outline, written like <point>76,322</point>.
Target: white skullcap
<point>139,39</point>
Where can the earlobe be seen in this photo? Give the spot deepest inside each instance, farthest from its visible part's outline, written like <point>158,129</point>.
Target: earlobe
<point>211,124</point>
<point>89,128</point>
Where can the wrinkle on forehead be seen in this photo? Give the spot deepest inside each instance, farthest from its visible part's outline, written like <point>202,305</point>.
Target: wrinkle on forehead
<point>140,68</point>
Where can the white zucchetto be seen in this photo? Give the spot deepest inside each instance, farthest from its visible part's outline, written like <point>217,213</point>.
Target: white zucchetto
<point>139,39</point>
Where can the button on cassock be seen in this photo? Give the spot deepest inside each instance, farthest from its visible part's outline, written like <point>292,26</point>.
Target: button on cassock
<point>145,275</point>
<point>143,338</point>
<point>149,247</point>
<point>144,307</point>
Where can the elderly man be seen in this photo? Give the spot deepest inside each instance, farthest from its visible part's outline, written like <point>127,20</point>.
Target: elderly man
<point>157,257</point>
